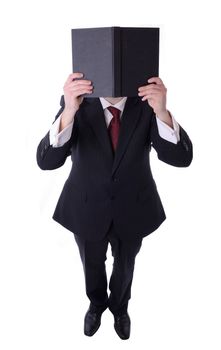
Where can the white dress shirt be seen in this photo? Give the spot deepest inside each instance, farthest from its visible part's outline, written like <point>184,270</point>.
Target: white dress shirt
<point>58,139</point>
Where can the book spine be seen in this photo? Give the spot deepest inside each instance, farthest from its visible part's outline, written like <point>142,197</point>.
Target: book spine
<point>72,49</point>
<point>116,41</point>
<point>158,52</point>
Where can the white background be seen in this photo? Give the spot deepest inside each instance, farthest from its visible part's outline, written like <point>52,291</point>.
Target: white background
<point>176,291</point>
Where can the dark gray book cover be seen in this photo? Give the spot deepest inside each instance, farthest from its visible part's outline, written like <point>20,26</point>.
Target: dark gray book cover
<point>117,60</point>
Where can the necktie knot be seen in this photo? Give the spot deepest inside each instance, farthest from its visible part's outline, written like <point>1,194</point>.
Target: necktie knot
<point>114,111</point>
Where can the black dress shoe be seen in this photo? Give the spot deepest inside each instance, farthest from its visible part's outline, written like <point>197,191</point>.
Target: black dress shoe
<point>92,322</point>
<point>122,325</point>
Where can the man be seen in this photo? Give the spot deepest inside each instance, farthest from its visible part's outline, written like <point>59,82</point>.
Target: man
<point>110,195</point>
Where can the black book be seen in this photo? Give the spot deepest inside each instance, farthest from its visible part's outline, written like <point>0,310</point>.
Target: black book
<point>117,60</point>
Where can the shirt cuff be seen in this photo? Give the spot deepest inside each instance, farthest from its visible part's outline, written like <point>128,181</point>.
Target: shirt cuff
<point>58,139</point>
<point>168,133</point>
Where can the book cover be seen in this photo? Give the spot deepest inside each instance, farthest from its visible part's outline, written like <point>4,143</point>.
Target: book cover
<point>117,60</point>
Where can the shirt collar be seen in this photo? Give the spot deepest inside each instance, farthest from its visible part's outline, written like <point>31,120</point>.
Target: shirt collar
<point>120,105</point>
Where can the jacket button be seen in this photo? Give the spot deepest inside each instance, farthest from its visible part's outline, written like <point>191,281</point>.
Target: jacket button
<point>115,179</point>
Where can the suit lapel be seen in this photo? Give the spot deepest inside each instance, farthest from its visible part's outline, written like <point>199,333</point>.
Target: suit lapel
<point>95,117</point>
<point>130,117</point>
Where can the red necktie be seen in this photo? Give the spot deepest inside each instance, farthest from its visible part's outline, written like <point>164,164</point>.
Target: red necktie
<point>114,126</point>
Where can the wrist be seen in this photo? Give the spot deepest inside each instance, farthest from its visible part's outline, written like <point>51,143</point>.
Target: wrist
<point>165,117</point>
<point>67,117</point>
<point>69,113</point>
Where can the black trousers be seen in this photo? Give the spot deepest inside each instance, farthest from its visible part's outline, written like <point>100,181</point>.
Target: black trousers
<point>93,257</point>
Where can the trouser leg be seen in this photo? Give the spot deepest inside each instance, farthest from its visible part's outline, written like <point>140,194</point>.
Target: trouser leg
<point>93,257</point>
<point>124,253</point>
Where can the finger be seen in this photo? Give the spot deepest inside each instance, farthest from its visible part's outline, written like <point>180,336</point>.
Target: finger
<point>148,96</point>
<point>82,91</point>
<point>156,80</point>
<point>151,93</point>
<point>150,100</point>
<point>81,87</point>
<point>150,88</point>
<point>78,82</point>
<point>74,76</point>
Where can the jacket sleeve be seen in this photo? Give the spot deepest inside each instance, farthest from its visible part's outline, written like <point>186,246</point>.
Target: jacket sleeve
<point>179,155</point>
<point>49,157</point>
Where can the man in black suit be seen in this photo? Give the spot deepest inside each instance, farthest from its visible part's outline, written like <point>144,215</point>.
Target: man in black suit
<point>110,195</point>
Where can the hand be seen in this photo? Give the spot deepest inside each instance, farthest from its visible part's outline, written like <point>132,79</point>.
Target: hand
<point>73,89</point>
<point>155,94</point>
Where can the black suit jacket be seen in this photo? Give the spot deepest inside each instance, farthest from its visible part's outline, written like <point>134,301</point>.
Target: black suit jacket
<point>102,186</point>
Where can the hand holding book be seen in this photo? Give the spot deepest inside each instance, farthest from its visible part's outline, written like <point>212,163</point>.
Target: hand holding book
<point>74,88</point>
<point>155,94</point>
